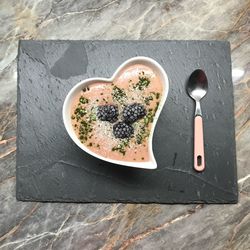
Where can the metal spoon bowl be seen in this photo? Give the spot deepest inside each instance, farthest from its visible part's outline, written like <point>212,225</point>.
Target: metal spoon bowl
<point>197,85</point>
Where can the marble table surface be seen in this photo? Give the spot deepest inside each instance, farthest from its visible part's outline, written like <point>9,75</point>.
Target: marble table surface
<point>28,225</point>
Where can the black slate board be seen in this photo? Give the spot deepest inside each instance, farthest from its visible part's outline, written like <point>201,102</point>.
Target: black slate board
<point>50,167</point>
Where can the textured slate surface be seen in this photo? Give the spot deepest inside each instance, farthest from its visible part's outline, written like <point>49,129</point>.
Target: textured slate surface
<point>51,168</point>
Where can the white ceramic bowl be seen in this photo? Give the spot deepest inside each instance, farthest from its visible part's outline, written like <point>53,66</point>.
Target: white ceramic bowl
<point>151,164</point>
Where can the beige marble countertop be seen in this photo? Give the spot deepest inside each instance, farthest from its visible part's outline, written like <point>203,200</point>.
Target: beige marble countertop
<point>123,226</point>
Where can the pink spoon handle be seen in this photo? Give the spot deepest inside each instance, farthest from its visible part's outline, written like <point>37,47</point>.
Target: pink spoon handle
<point>199,160</point>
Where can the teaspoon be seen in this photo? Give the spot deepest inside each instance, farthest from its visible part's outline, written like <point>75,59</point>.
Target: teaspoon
<point>197,88</point>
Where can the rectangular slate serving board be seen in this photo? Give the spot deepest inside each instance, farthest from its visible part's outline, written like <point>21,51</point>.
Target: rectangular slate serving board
<point>50,167</point>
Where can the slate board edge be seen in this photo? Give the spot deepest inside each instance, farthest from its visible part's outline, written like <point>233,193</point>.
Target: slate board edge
<point>234,141</point>
<point>125,201</point>
<point>18,195</point>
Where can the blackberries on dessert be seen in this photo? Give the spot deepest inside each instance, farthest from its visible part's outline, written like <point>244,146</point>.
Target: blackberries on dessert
<point>133,112</point>
<point>130,114</point>
<point>122,130</point>
<point>107,113</point>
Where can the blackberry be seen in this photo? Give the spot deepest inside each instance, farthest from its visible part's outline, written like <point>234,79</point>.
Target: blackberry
<point>122,130</point>
<point>133,112</point>
<point>107,113</point>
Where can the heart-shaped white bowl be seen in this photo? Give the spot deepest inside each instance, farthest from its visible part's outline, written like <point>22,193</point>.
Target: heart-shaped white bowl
<point>157,68</point>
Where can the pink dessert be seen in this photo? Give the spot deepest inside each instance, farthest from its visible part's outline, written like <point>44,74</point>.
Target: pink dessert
<point>114,119</point>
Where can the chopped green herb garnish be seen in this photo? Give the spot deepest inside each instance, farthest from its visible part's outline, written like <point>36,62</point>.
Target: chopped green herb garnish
<point>142,135</point>
<point>148,118</point>
<point>83,100</point>
<point>148,99</point>
<point>84,129</point>
<point>139,138</point>
<point>142,83</point>
<point>156,94</point>
<point>92,117</point>
<point>80,113</point>
<point>121,147</point>
<point>156,107</point>
<point>118,94</point>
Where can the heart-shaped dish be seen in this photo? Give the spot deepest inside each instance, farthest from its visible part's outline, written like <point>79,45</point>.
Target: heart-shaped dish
<point>157,69</point>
